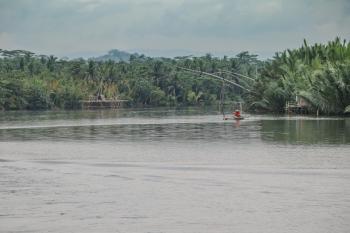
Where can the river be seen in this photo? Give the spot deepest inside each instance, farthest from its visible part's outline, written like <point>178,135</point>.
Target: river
<point>173,170</point>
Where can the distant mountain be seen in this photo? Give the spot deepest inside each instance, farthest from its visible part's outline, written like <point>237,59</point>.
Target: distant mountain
<point>116,55</point>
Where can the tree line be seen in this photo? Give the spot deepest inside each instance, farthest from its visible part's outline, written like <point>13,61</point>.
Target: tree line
<point>318,73</point>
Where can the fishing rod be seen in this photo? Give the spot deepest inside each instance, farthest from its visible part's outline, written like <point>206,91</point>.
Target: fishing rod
<point>213,76</point>
<point>236,74</point>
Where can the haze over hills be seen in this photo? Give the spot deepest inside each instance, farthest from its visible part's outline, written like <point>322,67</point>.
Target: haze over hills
<point>116,55</point>
<point>121,55</point>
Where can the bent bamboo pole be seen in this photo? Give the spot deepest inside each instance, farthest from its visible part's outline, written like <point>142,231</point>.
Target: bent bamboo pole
<point>214,76</point>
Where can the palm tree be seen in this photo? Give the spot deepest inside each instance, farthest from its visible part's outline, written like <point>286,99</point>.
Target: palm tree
<point>51,63</point>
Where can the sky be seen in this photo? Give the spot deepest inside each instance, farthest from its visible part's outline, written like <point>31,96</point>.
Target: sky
<point>85,28</point>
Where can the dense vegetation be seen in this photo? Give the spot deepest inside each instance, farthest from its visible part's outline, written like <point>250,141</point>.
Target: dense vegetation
<point>318,73</point>
<point>29,81</point>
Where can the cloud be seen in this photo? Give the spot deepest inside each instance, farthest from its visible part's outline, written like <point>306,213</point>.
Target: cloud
<point>219,26</point>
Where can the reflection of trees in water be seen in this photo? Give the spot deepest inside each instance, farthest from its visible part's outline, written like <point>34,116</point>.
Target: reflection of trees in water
<point>280,131</point>
<point>306,131</point>
<point>207,132</point>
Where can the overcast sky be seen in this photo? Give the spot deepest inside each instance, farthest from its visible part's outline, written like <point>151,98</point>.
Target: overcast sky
<point>169,27</point>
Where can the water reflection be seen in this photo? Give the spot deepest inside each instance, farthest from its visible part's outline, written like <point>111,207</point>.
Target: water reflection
<point>306,131</point>
<point>171,125</point>
<point>207,132</point>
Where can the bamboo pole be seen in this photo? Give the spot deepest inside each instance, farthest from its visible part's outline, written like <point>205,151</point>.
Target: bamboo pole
<point>237,74</point>
<point>214,76</point>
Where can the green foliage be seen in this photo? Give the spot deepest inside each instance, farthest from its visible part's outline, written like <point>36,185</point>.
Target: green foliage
<point>35,82</point>
<point>319,73</point>
<point>36,95</point>
<point>191,98</point>
<point>347,109</point>
<point>12,94</point>
<point>158,97</point>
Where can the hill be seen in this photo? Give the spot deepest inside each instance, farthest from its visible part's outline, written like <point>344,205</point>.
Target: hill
<point>115,55</point>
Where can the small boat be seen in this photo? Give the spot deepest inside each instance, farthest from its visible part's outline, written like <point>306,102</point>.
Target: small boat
<point>238,118</point>
<point>237,115</point>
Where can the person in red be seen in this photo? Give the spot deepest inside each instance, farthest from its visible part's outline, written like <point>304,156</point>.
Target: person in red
<point>237,114</point>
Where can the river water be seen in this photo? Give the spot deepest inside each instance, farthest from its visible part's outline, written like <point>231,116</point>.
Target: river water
<point>161,170</point>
